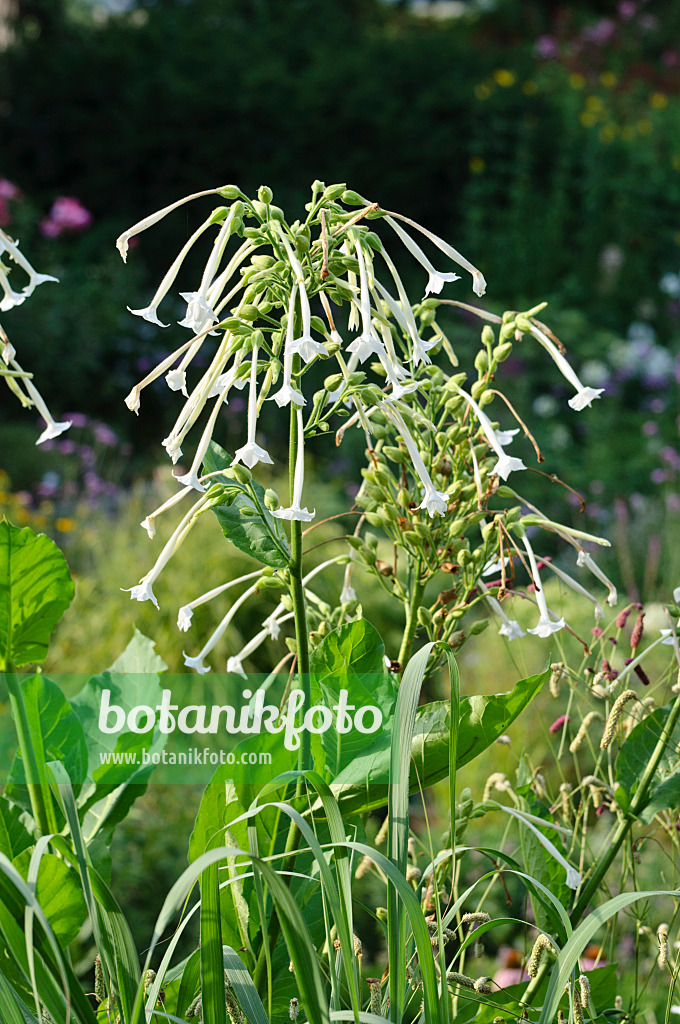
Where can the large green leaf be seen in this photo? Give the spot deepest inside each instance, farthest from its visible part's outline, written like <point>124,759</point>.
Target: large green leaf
<point>482,720</point>
<point>35,590</point>
<point>351,658</point>
<point>253,534</point>
<point>59,894</point>
<point>634,757</point>
<point>56,733</point>
<point>14,836</point>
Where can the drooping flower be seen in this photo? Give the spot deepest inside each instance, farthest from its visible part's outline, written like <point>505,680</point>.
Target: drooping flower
<point>509,628</point>
<point>191,479</point>
<point>13,251</point>
<point>546,625</point>
<point>251,452</point>
<point>186,612</point>
<point>577,588</point>
<point>584,395</point>
<point>305,346</point>
<point>506,464</point>
<point>197,661</point>
<point>404,315</point>
<point>287,393</point>
<point>587,560</point>
<point>436,280</point>
<point>367,343</point>
<point>295,511</point>
<point>53,428</point>
<point>436,502</point>
<point>122,242</point>
<point>478,282</point>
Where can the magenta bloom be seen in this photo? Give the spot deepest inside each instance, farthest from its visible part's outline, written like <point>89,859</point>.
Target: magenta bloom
<point>559,722</point>
<point>67,214</point>
<point>8,190</point>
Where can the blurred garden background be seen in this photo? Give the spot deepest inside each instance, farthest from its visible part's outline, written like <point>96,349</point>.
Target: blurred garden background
<point>542,139</point>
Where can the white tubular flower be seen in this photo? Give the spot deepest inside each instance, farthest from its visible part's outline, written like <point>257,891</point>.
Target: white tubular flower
<point>348,594</point>
<point>192,409</point>
<point>143,591</point>
<point>393,369</point>
<point>478,282</point>
<point>506,464</point>
<point>150,312</point>
<point>305,345</point>
<point>545,625</point>
<point>153,218</point>
<point>191,479</point>
<point>34,278</point>
<point>217,287</point>
<point>149,523</point>
<point>186,611</point>
<point>200,315</point>
<point>251,453</point>
<point>353,319</point>
<point>197,661</point>
<point>436,281</point>
<point>505,436</point>
<point>133,400</point>
<point>53,428</point>
<point>571,582</point>
<point>584,559</point>
<point>404,316</point>
<point>287,392</point>
<point>584,395</point>
<point>367,344</point>
<point>10,297</point>
<point>235,663</point>
<point>509,628</point>
<point>436,502</point>
<point>296,511</point>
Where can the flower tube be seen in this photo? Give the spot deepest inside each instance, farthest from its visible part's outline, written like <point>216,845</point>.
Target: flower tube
<point>197,661</point>
<point>186,612</point>
<point>584,395</point>
<point>287,393</point>
<point>153,218</point>
<point>251,453</point>
<point>506,464</point>
<point>150,312</point>
<point>436,502</point>
<point>366,344</point>
<point>305,346</point>
<point>436,281</point>
<point>295,511</point>
<point>478,282</point>
<point>545,625</point>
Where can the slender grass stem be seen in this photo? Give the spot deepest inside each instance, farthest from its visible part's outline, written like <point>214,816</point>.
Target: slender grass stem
<point>43,812</point>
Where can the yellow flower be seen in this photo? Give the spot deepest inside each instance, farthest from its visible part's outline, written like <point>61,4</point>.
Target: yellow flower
<point>588,118</point>
<point>529,88</point>
<point>65,524</point>
<point>658,100</point>
<point>608,79</point>
<point>477,164</point>
<point>608,132</point>
<point>482,91</point>
<point>593,103</point>
<point>577,81</point>
<point>504,78</point>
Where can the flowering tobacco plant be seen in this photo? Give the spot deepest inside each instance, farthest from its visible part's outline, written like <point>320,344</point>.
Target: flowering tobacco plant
<point>274,300</point>
<point>18,380</point>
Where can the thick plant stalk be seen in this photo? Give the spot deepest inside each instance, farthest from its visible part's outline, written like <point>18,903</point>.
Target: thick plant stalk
<point>411,619</point>
<point>43,813</point>
<point>298,591</point>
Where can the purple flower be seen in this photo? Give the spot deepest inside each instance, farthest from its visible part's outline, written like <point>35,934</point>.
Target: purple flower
<point>601,32</point>
<point>658,476</point>
<point>5,215</point>
<point>105,435</point>
<point>650,428</point>
<point>546,47</point>
<point>627,9</point>
<point>8,190</point>
<point>558,723</point>
<point>66,447</point>
<point>78,419</point>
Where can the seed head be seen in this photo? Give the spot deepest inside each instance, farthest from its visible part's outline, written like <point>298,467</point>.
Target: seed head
<point>614,715</point>
<point>580,736</point>
<point>541,945</point>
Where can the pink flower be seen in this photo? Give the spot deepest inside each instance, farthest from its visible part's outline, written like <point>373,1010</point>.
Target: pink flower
<point>8,190</point>
<point>67,214</point>
<point>627,8</point>
<point>558,723</point>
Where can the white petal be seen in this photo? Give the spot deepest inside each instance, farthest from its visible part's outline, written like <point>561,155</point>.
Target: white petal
<point>149,313</point>
<point>584,398</point>
<point>53,430</point>
<point>506,465</point>
<point>184,617</point>
<point>196,663</point>
<point>142,592</point>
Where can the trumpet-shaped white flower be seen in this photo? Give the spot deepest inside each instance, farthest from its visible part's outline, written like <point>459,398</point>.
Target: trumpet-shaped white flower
<point>585,559</point>
<point>153,218</point>
<point>546,625</point>
<point>287,392</point>
<point>143,591</point>
<point>509,628</point>
<point>584,395</point>
<point>197,661</point>
<point>575,586</point>
<point>53,428</point>
<point>404,315</point>
<point>186,611</point>
<point>10,298</point>
<point>433,500</point>
<point>295,511</point>
<point>34,278</point>
<point>150,312</point>
<point>308,348</point>
<point>192,478</point>
<point>493,567</point>
<point>367,344</point>
<point>199,315</point>
<point>348,594</point>
<point>251,453</point>
<point>505,436</point>
<point>506,464</point>
<point>235,663</point>
<point>305,345</point>
<point>478,282</point>
<point>436,281</point>
<point>235,666</point>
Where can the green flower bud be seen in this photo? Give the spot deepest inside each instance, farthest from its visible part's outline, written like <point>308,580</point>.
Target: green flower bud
<point>411,537</point>
<point>318,324</point>
<point>395,454</point>
<point>454,403</point>
<point>501,352</point>
<point>463,557</point>
<point>523,324</point>
<point>403,497</point>
<point>486,398</point>
<point>219,215</point>
<point>291,644</point>
<point>424,617</point>
<point>478,389</point>
<point>271,499</point>
<point>355,542</point>
<point>332,347</point>
<point>356,378</point>
<point>372,541</point>
<point>487,335</point>
<point>427,317</point>
<point>265,194</point>
<point>248,312</point>
<point>503,491</point>
<point>229,192</point>
<point>351,198</point>
<point>507,331</point>
<point>422,530</point>
<point>478,627</point>
<point>302,244</point>
<point>240,473</point>
<point>333,382</point>
<point>374,518</point>
<point>333,191</point>
<point>263,262</point>
<point>373,240</point>
<point>249,512</point>
<point>482,361</point>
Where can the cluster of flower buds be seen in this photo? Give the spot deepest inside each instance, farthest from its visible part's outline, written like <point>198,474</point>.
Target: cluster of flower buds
<point>18,380</point>
<point>269,305</point>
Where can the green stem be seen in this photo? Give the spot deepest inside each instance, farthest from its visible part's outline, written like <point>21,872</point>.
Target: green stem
<point>607,857</point>
<point>42,811</point>
<point>297,593</point>
<point>412,617</point>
